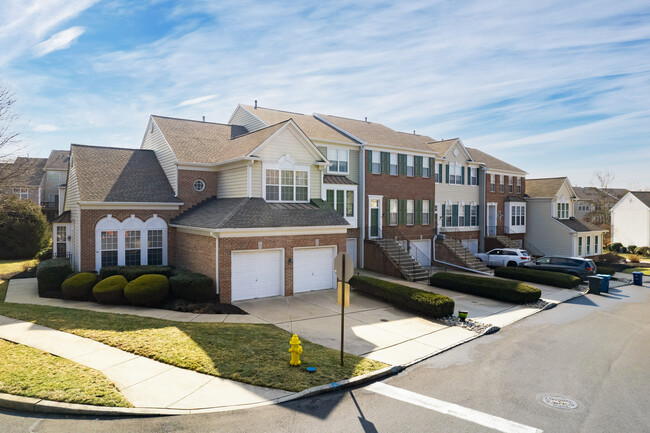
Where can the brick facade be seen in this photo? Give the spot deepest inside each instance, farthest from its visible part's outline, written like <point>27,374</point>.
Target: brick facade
<point>90,218</point>
<point>375,260</point>
<point>500,197</point>
<point>196,253</point>
<point>288,243</point>
<point>186,191</point>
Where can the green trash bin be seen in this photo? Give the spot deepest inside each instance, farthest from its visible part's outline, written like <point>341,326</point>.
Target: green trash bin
<point>594,285</point>
<point>604,285</point>
<point>637,278</point>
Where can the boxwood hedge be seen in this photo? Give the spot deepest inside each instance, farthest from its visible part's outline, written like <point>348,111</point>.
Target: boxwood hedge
<point>556,279</point>
<point>79,286</point>
<point>417,300</point>
<point>147,290</point>
<point>503,290</point>
<point>50,274</point>
<point>110,290</point>
<point>133,272</point>
<point>192,287</point>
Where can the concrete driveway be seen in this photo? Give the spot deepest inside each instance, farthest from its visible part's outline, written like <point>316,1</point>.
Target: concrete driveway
<point>377,330</point>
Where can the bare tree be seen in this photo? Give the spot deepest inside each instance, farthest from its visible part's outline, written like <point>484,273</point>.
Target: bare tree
<point>8,136</point>
<point>603,203</point>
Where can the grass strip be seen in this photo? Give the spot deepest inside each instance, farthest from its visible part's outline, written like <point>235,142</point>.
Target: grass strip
<point>249,353</point>
<point>645,271</point>
<point>417,300</point>
<point>11,267</point>
<point>556,279</point>
<point>31,372</point>
<point>495,288</point>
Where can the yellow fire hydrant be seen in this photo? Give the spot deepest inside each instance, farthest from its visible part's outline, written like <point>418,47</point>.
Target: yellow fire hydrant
<point>296,350</point>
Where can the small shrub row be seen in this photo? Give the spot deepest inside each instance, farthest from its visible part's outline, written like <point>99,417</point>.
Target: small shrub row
<point>503,290</point>
<point>133,272</point>
<point>193,287</point>
<point>417,300</point>
<point>556,279</point>
<point>608,258</point>
<point>50,274</point>
<point>605,270</point>
<point>615,246</point>
<point>642,251</point>
<point>79,286</point>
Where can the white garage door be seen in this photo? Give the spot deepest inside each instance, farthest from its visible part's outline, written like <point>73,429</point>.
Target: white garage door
<point>256,274</point>
<point>351,249</point>
<point>422,251</point>
<point>313,269</point>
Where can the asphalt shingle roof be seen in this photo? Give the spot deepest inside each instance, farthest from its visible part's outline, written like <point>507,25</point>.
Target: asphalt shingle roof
<point>209,143</point>
<point>579,226</point>
<point>546,187</point>
<point>644,196</point>
<point>233,213</point>
<point>109,174</point>
<point>311,126</point>
<point>58,160</point>
<point>24,171</point>
<point>337,180</point>
<point>378,134</point>
<point>494,163</point>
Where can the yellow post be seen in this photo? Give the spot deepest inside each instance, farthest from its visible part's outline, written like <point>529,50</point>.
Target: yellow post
<point>296,350</point>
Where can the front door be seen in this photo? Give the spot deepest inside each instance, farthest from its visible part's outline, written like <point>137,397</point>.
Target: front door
<point>375,217</point>
<point>492,220</point>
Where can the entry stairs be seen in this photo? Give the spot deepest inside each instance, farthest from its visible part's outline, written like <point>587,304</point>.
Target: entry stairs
<point>464,255</point>
<point>506,241</point>
<point>409,267</point>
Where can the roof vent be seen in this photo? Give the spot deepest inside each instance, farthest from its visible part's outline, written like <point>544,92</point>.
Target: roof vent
<point>256,104</point>
<point>414,132</point>
<point>366,119</point>
<point>204,118</point>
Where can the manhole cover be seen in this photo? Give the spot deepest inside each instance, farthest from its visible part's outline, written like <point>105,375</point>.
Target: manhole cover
<point>559,402</point>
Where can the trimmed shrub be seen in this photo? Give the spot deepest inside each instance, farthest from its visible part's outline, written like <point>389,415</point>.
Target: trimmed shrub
<point>605,270</point>
<point>44,254</point>
<point>417,300</point>
<point>608,258</point>
<point>631,249</point>
<point>503,290</point>
<point>642,251</point>
<point>634,258</point>
<point>615,247</point>
<point>111,290</point>
<point>556,279</point>
<point>147,290</point>
<point>133,272</point>
<point>23,228</point>
<point>50,274</point>
<point>79,286</point>
<point>192,287</point>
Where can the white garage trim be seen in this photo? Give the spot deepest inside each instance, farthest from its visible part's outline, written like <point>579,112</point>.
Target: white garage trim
<point>256,273</point>
<point>313,268</point>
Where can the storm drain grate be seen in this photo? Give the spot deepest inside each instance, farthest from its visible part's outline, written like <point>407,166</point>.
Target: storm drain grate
<point>559,402</point>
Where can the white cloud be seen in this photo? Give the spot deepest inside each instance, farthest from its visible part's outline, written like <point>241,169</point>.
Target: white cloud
<point>59,41</point>
<point>196,100</point>
<point>46,128</point>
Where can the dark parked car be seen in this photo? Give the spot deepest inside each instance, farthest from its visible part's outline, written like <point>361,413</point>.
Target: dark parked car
<point>575,266</point>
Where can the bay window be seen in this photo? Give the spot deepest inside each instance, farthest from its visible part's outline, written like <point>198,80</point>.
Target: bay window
<point>343,200</point>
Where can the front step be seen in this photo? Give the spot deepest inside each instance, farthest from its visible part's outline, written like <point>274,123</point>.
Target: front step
<point>464,255</point>
<point>507,242</point>
<point>410,269</point>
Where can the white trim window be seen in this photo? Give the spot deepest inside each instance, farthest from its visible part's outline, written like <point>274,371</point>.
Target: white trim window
<point>61,247</point>
<point>493,184</point>
<point>502,186</point>
<point>425,212</point>
<point>455,174</point>
<point>132,249</point>
<point>22,193</point>
<point>155,247</point>
<point>340,159</point>
<point>519,185</point>
<point>436,169</point>
<point>376,162</point>
<point>286,185</point>
<point>518,215</point>
<point>343,198</point>
<point>393,164</point>
<point>410,212</point>
<point>53,176</point>
<point>510,184</point>
<point>272,185</point>
<point>410,165</point>
<point>425,167</point>
<point>562,210</point>
<point>448,215</point>
<point>109,248</point>
<point>473,173</point>
<point>473,219</point>
<point>393,211</point>
<point>461,215</point>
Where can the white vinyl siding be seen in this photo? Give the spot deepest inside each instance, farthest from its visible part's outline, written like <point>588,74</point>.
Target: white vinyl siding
<point>455,193</point>
<point>256,179</point>
<point>156,141</point>
<point>631,222</point>
<point>232,183</point>
<point>244,118</point>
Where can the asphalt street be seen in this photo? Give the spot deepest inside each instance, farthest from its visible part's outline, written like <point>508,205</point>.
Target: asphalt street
<point>593,351</point>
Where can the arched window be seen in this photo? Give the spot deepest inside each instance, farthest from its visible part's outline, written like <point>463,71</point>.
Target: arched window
<point>107,233</point>
<point>132,241</point>
<point>156,241</point>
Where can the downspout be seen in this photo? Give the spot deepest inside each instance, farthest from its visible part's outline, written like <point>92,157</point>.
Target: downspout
<point>451,264</point>
<point>216,260</point>
<point>482,204</point>
<point>362,207</point>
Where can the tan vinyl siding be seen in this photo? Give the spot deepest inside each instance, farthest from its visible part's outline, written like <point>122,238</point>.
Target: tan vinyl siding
<point>244,118</point>
<point>72,196</point>
<point>456,193</point>
<point>354,166</point>
<point>314,182</point>
<point>256,177</point>
<point>232,183</point>
<point>544,232</point>
<point>286,144</point>
<point>156,141</point>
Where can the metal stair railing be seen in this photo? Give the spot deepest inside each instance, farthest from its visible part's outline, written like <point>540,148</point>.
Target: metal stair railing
<point>406,259</point>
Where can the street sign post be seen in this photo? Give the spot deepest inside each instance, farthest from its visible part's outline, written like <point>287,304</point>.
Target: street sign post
<point>344,268</point>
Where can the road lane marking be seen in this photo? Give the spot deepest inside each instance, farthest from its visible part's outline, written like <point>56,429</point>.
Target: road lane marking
<point>484,419</point>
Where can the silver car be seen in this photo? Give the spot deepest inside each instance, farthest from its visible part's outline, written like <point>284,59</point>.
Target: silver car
<point>504,257</point>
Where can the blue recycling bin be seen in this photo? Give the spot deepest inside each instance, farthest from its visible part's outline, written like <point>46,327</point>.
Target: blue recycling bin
<point>637,278</point>
<point>604,284</point>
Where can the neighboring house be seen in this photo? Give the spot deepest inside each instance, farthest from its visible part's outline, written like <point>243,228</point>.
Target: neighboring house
<point>24,180</point>
<point>593,204</point>
<point>53,183</point>
<point>630,219</point>
<point>243,207</point>
<point>551,227</point>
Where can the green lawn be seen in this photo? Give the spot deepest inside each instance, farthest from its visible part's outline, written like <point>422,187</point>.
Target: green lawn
<point>646,271</point>
<point>9,268</point>
<point>30,372</point>
<point>255,354</point>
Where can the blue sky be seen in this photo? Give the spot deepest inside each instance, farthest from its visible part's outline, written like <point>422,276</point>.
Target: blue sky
<point>556,88</point>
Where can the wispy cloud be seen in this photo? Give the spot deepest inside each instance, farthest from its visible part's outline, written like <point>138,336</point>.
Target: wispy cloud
<point>46,128</point>
<point>59,41</point>
<point>196,100</point>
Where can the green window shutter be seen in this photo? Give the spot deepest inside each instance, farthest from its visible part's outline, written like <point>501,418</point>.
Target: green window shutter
<point>418,211</point>
<point>432,168</point>
<point>454,215</point>
<point>440,173</point>
<point>401,205</point>
<point>447,174</point>
<point>385,161</point>
<point>469,175</point>
<point>340,206</point>
<point>478,176</point>
<point>478,215</point>
<point>370,161</point>
<point>418,166</point>
<point>330,197</point>
<point>432,217</point>
<point>444,218</point>
<point>462,176</point>
<point>401,163</point>
<point>468,214</point>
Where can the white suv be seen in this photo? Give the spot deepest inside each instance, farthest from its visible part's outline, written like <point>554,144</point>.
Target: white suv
<point>503,257</point>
